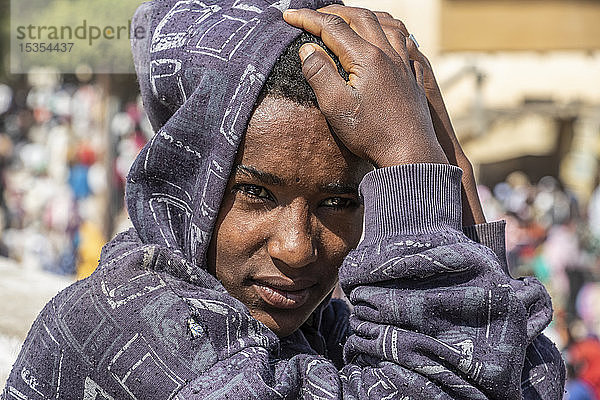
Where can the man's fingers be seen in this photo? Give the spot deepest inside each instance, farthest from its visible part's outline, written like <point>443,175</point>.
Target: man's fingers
<point>362,21</point>
<point>337,35</point>
<point>386,19</point>
<point>404,45</point>
<point>396,34</point>
<point>429,83</point>
<point>398,42</point>
<point>413,50</point>
<point>419,73</point>
<point>383,15</point>
<point>322,75</point>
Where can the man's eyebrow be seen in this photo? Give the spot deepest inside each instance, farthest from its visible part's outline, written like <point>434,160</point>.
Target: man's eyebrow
<point>340,188</point>
<point>262,176</point>
<point>267,178</point>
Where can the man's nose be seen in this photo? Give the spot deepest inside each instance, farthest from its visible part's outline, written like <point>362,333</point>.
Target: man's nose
<point>292,239</point>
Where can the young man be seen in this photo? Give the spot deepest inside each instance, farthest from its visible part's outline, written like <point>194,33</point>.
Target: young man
<point>246,204</point>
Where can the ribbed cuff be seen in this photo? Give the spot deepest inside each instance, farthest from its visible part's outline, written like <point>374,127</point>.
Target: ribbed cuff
<point>411,199</point>
<point>491,235</point>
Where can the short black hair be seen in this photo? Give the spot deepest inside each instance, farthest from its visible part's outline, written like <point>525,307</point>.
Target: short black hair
<point>286,79</point>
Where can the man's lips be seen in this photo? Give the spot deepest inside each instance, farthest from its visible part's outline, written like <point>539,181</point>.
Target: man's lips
<point>283,293</point>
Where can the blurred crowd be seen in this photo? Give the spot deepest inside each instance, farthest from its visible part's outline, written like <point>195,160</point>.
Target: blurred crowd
<point>552,236</point>
<point>66,147</point>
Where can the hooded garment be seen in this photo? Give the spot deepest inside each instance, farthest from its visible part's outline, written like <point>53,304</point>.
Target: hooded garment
<point>201,67</point>
<point>434,314</point>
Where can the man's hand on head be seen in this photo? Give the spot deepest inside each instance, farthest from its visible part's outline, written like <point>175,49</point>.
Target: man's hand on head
<point>381,114</point>
<point>397,33</point>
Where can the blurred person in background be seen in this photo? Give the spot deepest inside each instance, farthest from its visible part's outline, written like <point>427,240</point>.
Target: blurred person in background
<point>577,389</point>
<point>562,251</point>
<point>583,355</point>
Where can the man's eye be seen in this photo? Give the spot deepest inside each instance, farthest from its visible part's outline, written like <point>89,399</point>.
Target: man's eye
<point>253,191</point>
<point>338,202</point>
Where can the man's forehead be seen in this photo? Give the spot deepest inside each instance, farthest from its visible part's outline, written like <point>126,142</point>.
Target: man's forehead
<point>291,141</point>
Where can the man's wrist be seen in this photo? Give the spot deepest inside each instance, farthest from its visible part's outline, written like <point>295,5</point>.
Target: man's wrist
<point>411,199</point>
<point>402,154</point>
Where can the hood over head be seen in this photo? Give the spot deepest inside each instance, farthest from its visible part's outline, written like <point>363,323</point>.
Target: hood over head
<point>201,66</point>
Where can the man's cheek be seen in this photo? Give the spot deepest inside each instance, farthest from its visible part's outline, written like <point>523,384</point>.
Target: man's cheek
<point>336,249</point>
<point>240,236</point>
<point>348,228</point>
<point>249,222</point>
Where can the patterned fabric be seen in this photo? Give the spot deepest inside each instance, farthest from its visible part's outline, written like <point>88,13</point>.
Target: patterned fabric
<point>434,315</point>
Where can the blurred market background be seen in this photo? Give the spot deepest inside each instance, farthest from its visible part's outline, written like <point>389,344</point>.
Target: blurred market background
<point>521,80</point>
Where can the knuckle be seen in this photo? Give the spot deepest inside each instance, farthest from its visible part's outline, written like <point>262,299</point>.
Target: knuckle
<point>375,54</point>
<point>385,14</point>
<point>364,14</point>
<point>399,37</point>
<point>400,25</point>
<point>333,20</point>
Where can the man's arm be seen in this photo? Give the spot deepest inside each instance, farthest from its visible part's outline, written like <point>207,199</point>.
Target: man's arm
<point>359,115</point>
<point>438,304</point>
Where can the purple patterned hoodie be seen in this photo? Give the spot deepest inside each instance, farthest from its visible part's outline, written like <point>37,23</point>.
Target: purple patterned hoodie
<point>435,316</point>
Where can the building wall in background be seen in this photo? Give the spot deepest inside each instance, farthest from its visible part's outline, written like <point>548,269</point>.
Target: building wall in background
<point>509,25</point>
<point>512,72</point>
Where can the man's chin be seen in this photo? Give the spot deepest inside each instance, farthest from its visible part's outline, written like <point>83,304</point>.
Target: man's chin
<point>282,322</point>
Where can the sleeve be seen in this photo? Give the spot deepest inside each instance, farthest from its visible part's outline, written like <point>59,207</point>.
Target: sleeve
<point>434,315</point>
<point>492,235</point>
<point>542,359</point>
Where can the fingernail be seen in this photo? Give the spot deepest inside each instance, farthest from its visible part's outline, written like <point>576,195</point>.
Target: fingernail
<point>289,11</point>
<point>306,50</point>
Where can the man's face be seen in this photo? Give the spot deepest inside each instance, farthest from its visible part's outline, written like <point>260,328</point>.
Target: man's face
<point>290,215</point>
